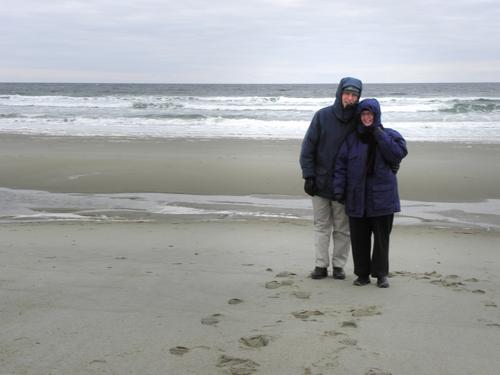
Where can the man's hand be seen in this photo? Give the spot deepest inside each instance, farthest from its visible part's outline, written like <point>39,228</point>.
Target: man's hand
<point>310,186</point>
<point>339,198</point>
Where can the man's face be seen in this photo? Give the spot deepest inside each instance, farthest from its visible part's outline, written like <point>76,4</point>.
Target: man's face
<point>349,99</point>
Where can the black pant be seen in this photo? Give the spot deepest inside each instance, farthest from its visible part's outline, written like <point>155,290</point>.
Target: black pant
<point>361,235</point>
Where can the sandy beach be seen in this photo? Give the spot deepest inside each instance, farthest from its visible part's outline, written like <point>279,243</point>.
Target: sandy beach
<point>230,297</point>
<point>198,295</point>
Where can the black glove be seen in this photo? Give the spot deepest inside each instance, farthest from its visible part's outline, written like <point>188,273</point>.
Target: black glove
<point>310,186</point>
<point>395,168</point>
<point>339,198</point>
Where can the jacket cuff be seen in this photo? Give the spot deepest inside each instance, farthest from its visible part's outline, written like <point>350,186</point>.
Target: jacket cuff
<point>308,174</point>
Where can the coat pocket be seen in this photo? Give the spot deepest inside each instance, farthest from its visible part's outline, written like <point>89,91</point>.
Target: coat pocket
<point>383,197</point>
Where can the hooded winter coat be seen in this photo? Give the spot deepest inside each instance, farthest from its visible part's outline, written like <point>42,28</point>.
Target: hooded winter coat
<point>363,173</point>
<point>327,131</point>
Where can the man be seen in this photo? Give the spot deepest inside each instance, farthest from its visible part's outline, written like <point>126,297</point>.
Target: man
<point>328,129</point>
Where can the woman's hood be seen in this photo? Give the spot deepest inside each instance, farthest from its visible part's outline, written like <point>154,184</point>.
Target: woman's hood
<point>373,106</point>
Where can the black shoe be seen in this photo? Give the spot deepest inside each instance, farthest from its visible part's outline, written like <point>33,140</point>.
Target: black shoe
<point>360,281</point>
<point>319,273</point>
<point>338,273</point>
<point>382,282</point>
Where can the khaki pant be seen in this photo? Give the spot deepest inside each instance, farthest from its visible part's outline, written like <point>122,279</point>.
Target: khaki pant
<point>330,220</point>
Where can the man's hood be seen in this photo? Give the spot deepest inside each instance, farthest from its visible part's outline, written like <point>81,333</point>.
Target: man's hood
<point>346,82</point>
<point>343,114</point>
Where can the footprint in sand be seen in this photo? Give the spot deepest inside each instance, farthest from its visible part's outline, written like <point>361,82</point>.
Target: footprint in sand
<point>211,320</point>
<point>237,366</point>
<point>286,274</point>
<point>472,280</point>
<point>377,371</point>
<point>454,282</point>
<point>98,361</point>
<point>256,341</point>
<point>277,295</point>
<point>428,275</point>
<point>478,291</point>
<point>417,276</point>
<point>273,284</point>
<point>349,324</point>
<point>234,301</point>
<point>490,304</point>
<point>276,284</point>
<point>365,311</point>
<point>333,333</point>
<point>301,294</point>
<point>179,350</point>
<point>306,314</point>
<point>349,342</point>
<point>449,281</point>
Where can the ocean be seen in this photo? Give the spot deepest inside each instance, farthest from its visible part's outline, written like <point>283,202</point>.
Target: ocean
<point>444,112</point>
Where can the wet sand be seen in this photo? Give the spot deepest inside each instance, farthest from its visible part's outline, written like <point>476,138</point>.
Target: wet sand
<point>431,172</point>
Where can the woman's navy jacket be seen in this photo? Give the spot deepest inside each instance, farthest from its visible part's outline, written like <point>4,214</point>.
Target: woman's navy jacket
<point>375,194</point>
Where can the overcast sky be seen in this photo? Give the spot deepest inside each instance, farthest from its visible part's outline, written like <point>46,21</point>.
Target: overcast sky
<point>249,41</point>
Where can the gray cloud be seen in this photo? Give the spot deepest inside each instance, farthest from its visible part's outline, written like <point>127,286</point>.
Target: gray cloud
<point>252,41</point>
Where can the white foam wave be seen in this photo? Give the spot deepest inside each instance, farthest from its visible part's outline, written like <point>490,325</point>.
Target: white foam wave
<point>281,117</point>
<point>481,132</point>
<point>64,101</point>
<point>235,103</point>
<point>165,102</point>
<point>163,128</point>
<point>219,127</point>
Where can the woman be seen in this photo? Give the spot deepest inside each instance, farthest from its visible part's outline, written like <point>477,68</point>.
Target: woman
<point>365,180</point>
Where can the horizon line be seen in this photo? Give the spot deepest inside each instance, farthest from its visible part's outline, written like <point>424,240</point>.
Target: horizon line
<point>238,83</point>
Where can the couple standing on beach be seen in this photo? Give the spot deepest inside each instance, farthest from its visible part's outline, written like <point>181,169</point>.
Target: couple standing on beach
<point>349,163</point>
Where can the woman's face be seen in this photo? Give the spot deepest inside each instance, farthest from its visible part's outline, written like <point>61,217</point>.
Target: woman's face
<point>367,118</point>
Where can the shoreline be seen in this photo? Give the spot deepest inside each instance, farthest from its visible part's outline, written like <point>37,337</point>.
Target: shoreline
<point>433,171</point>
<point>31,206</point>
